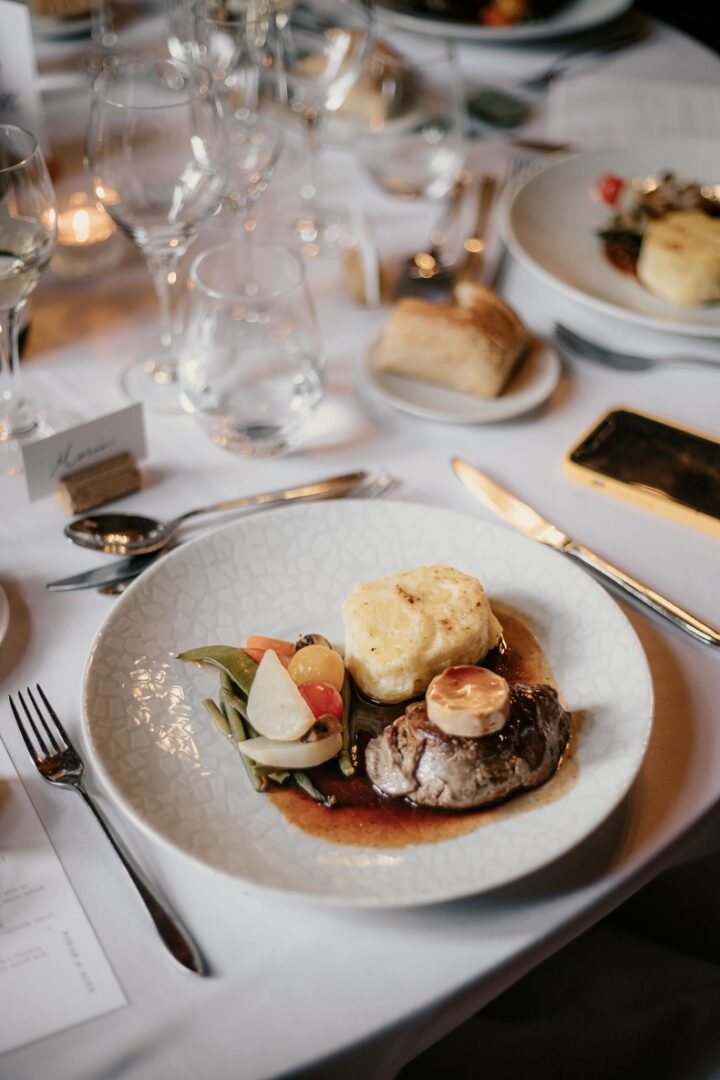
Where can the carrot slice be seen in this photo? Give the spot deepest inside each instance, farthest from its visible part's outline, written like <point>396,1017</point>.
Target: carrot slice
<point>282,648</point>
<point>257,655</point>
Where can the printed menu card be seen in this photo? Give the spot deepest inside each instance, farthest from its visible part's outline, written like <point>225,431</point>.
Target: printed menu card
<point>53,971</point>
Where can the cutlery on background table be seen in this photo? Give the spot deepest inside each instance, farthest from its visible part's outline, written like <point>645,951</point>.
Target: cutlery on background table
<point>427,271</point>
<point>126,534</point>
<point>112,579</point>
<point>573,342</point>
<point>473,263</point>
<point>59,763</point>
<point>526,520</point>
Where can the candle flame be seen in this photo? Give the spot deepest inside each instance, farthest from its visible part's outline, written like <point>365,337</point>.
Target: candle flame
<point>81,226</point>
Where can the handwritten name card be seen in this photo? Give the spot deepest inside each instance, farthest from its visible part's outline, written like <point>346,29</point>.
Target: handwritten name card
<point>47,461</point>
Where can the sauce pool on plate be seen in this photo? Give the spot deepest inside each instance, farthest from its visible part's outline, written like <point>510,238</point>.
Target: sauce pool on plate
<point>364,817</point>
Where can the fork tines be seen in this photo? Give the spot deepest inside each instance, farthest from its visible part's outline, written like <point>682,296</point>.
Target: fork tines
<point>57,748</point>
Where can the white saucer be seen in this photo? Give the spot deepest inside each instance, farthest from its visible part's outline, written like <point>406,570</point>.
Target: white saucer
<point>4,614</point>
<point>533,382</point>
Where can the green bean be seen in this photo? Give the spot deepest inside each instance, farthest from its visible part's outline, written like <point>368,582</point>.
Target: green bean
<point>303,781</point>
<point>257,776</point>
<point>345,760</point>
<point>217,717</point>
<point>233,701</point>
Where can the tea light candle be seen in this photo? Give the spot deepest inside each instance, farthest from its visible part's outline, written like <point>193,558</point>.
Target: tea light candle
<point>87,240</point>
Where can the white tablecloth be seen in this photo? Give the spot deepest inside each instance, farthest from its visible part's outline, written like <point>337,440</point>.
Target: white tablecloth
<point>281,998</point>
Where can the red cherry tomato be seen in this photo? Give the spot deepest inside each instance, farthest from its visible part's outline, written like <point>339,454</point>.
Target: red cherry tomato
<point>610,188</point>
<point>323,699</point>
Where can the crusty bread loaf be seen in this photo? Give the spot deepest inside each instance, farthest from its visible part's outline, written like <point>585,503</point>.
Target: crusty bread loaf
<point>472,345</point>
<point>680,258</point>
<point>403,630</point>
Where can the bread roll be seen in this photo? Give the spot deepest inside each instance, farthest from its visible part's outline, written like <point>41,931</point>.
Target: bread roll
<point>403,630</point>
<point>472,346</point>
<point>680,258</point>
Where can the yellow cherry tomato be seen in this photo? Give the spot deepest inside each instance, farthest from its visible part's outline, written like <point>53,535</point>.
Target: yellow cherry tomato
<point>317,663</point>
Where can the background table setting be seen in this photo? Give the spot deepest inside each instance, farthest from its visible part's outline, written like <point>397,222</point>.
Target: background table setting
<point>321,958</point>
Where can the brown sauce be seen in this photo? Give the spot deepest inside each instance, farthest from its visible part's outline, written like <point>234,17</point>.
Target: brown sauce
<point>621,258</point>
<point>364,817</point>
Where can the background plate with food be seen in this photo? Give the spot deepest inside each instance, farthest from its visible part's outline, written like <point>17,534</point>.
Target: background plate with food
<point>288,572</point>
<point>569,18</point>
<point>556,217</point>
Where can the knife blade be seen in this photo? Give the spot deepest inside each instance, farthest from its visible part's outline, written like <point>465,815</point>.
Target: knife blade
<point>105,576</point>
<point>533,525</point>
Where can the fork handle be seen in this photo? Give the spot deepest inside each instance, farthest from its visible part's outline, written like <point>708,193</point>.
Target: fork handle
<point>175,937</point>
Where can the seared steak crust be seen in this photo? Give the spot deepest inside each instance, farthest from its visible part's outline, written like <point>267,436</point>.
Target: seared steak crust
<point>414,758</point>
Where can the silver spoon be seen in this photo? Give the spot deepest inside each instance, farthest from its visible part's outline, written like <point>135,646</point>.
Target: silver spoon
<point>132,534</point>
<point>429,269</point>
<point>371,489</point>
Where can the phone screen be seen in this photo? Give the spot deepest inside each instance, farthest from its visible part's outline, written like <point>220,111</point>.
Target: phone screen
<point>657,457</point>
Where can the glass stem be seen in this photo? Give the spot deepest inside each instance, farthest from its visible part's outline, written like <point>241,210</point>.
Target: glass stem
<point>11,419</point>
<point>313,191</point>
<point>163,267</point>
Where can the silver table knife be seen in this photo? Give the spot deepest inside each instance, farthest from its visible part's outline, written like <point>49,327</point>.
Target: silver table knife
<point>528,521</point>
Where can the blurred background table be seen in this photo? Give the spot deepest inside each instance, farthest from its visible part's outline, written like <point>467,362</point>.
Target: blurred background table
<point>340,992</point>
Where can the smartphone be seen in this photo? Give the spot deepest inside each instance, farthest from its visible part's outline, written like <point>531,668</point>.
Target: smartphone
<point>653,463</point>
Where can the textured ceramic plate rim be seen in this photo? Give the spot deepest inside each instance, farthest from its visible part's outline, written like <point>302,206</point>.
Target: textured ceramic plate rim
<point>569,571</point>
<point>506,406</point>
<point>593,13</point>
<point>672,324</point>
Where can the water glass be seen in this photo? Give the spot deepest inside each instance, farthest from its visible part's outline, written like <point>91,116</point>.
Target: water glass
<point>251,363</point>
<point>418,149</point>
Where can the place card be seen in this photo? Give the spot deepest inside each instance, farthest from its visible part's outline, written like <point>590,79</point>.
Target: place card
<point>47,461</point>
<point>19,95</point>
<point>53,971</point>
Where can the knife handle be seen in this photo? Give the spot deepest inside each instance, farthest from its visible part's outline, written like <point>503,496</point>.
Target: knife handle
<point>677,615</point>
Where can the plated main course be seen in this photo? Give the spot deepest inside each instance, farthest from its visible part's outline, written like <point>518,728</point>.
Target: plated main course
<point>434,705</point>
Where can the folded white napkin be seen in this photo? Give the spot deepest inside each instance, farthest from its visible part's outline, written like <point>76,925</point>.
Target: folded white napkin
<point>594,108</point>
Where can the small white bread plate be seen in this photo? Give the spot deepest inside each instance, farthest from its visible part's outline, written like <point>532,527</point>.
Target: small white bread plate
<point>572,19</point>
<point>532,383</point>
<point>552,221</point>
<point>287,571</point>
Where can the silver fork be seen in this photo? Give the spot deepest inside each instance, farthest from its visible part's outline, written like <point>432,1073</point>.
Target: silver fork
<point>59,763</point>
<point>600,354</point>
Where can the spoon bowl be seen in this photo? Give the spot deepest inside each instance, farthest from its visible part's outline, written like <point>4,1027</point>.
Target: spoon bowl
<point>119,534</point>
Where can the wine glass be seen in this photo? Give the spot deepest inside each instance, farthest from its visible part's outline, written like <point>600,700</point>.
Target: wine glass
<point>27,240</point>
<point>251,364</point>
<point>325,44</point>
<point>239,45</point>
<point>153,155</point>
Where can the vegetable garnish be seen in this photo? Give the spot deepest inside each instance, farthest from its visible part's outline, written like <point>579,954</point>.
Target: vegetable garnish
<point>281,720</point>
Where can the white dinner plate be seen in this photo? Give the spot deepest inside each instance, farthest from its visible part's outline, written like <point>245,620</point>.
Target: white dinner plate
<point>579,15</point>
<point>551,224</point>
<point>533,382</point>
<point>4,614</point>
<point>287,571</point>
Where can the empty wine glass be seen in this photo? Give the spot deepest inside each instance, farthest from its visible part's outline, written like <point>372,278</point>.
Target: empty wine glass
<point>251,364</point>
<point>414,143</point>
<point>27,239</point>
<point>238,43</point>
<point>153,156</point>
<point>325,43</point>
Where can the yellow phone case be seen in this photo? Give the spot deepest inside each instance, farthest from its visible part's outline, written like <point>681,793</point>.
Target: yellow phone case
<point>639,495</point>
